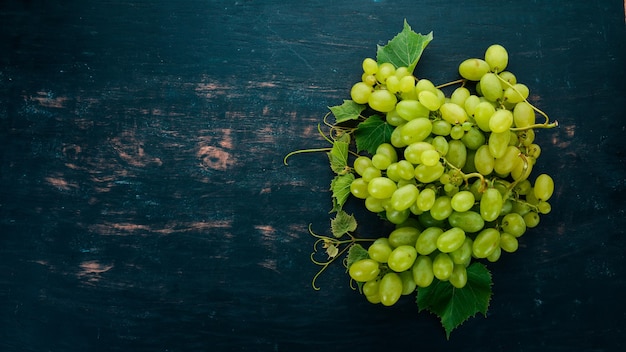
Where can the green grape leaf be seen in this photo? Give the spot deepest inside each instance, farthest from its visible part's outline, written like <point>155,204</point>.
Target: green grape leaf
<point>356,253</point>
<point>338,155</point>
<point>405,49</point>
<point>349,110</point>
<point>371,133</point>
<point>342,224</point>
<point>340,186</point>
<point>453,305</point>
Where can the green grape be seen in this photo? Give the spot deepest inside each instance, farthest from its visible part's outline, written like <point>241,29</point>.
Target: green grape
<point>381,187</point>
<point>387,150</point>
<point>441,209</point>
<point>531,198</point>
<point>508,77</point>
<point>458,278</point>
<point>483,161</point>
<point>429,100</point>
<point>360,93</point>
<point>371,291</point>
<point>394,119</point>
<point>411,109</point>
<point>358,188</point>
<point>498,143</point>
<point>526,137</point>
<point>453,113</point>
<point>469,167</point>
<point>416,130</point>
<point>408,284</point>
<point>470,104</point>
<point>424,85</point>
<point>406,171</point>
<point>422,271</point>
<point>496,57</point>
<point>531,219</point>
<point>371,173</point>
<point>370,80</point>
<point>407,83</point>
<point>402,71</point>
<point>501,121</point>
<point>482,114</point>
<point>517,93</point>
<point>427,240</point>
<point>396,137</point>
<point>457,153</point>
<point>402,258</point>
<point>374,205</point>
<point>385,70</point>
<point>463,254</point>
<point>364,270</point>
<point>490,204</point>
<point>473,69</point>
<point>404,197</point>
<point>404,236</point>
<point>361,163</point>
<point>441,145</point>
<point>513,223</point>
<point>474,138</point>
<point>495,255</point>
<point>390,289</point>
<point>521,170</point>
<point>462,201</point>
<point>381,161</point>
<point>427,220</point>
<point>382,100</point>
<point>380,250</point>
<point>430,157</point>
<point>392,172</point>
<point>426,199</point>
<point>544,187</point>
<point>523,187</point>
<point>533,151</point>
<point>413,152</point>
<point>508,242</point>
<point>459,96</point>
<point>505,164</point>
<point>457,132</point>
<point>477,188</point>
<point>393,84</point>
<point>469,221</point>
<point>451,240</point>
<point>544,207</point>
<point>523,114</point>
<point>428,174</point>
<point>486,243</point>
<point>370,66</point>
<point>443,266</point>
<point>450,189</point>
<point>490,87</point>
<point>396,216</point>
<point>441,128</point>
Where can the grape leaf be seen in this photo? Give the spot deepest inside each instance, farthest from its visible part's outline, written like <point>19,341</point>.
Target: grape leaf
<point>340,185</point>
<point>338,155</point>
<point>453,305</point>
<point>371,133</point>
<point>356,253</point>
<point>342,224</point>
<point>349,110</point>
<point>405,49</point>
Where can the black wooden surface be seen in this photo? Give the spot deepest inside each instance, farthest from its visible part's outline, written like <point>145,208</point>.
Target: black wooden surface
<point>144,205</point>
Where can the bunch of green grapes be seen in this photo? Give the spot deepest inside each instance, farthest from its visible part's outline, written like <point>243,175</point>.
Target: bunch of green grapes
<point>454,178</point>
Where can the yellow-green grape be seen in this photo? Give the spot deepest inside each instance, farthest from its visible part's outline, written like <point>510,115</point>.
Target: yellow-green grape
<point>370,80</point>
<point>404,197</point>
<point>482,114</point>
<point>517,93</point>
<point>387,150</point>
<point>531,219</point>
<point>385,70</point>
<point>458,278</point>
<point>413,152</point>
<point>505,164</point>
<point>474,138</point>
<point>375,205</point>
<point>544,207</point>
<point>393,84</point>
<point>508,77</point>
<point>473,69</point>
<point>411,109</point>
<point>422,271</point>
<point>402,258</point>
<point>364,270</point>
<point>544,187</point>
<point>441,145</point>
<point>392,172</point>
<point>470,221</point>
<point>451,240</point>
<point>382,100</point>
<point>402,71</point>
<point>522,169</point>
<point>371,291</point>
<point>495,255</point>
<point>416,130</point>
<point>424,85</point>
<point>396,137</point>
<point>370,66</point>
<point>430,157</point>
<point>490,204</point>
<point>533,151</point>
<point>486,243</point>
<point>453,113</point>
<point>484,161</point>
<point>457,153</point>
<point>496,57</point>
<point>426,199</point>
<point>526,137</point>
<point>471,103</point>
<point>407,83</point>
<point>404,236</point>
<point>370,173</point>
<point>501,121</point>
<point>406,171</point>
<point>498,143</point>
<point>462,201</point>
<point>394,119</point>
<point>360,93</point>
<point>390,289</point>
<point>381,161</point>
<point>429,99</point>
<point>427,240</point>
<point>441,209</point>
<point>381,187</point>
<point>523,187</point>
<point>513,223</point>
<point>457,132</point>
<point>523,114</point>
<point>396,216</point>
<point>443,266</point>
<point>508,242</point>
<point>441,128</point>
<point>463,254</point>
<point>490,87</point>
<point>408,284</point>
<point>428,174</point>
<point>358,188</point>
<point>380,250</point>
<point>459,96</point>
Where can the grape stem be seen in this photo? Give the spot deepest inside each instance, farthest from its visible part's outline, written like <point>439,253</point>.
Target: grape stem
<point>483,183</point>
<point>546,124</point>
<point>462,81</point>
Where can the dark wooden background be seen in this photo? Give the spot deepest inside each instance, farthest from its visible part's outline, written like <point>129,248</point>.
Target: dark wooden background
<point>144,205</point>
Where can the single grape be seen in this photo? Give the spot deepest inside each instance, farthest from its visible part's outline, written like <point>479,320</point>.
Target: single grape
<point>441,209</point>
<point>474,138</point>
<point>360,93</point>
<point>505,164</point>
<point>426,199</point>
<point>381,187</point>
<point>501,121</point>
<point>358,188</point>
<point>370,66</point>
<point>473,69</point>
<point>364,270</point>
<point>396,216</point>
<point>408,283</point>
<point>382,100</point>
<point>498,143</point>
<point>375,205</point>
<point>544,207</point>
<point>531,219</point>
<point>463,254</point>
<point>404,197</point>
<point>381,161</point>
<point>462,201</point>
<point>486,243</point>
<point>427,240</point>
<point>410,109</point>
<point>404,236</point>
<point>429,100</point>
<point>413,152</point>
<point>385,70</point>
<point>508,77</point>
<point>508,242</point>
<point>370,173</point>
<point>495,255</point>
<point>471,103</point>
<point>453,113</point>
<point>390,289</point>
<point>402,258</point>
<point>424,85</point>
<point>484,161</point>
<point>490,87</point>
<point>490,204</point>
<point>457,153</point>
<point>443,266</point>
<point>523,114</point>
<point>407,83</point>
<point>416,130</point>
<point>380,250</point>
<point>441,128</point>
<point>544,187</point>
<point>393,84</point>
<point>482,114</point>
<point>430,157</point>
<point>469,221</point>
<point>422,271</point>
<point>459,96</point>
<point>513,223</point>
<point>457,132</point>
<point>458,278</point>
<point>496,57</point>
<point>517,93</point>
<point>451,240</point>
<point>428,174</point>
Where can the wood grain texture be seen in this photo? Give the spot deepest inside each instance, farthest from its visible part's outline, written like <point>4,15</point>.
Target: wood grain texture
<point>144,204</point>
